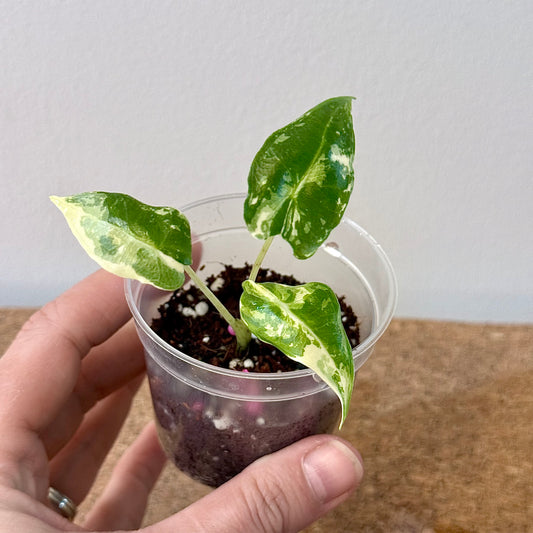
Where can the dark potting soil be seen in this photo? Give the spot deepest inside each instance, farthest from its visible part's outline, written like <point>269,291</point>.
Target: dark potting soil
<point>212,440</point>
<point>190,323</point>
<point>209,436</point>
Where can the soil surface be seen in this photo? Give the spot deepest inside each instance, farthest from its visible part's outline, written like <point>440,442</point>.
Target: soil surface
<point>191,324</point>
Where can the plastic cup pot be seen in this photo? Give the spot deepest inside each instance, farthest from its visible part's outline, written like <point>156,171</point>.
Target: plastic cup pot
<point>213,422</point>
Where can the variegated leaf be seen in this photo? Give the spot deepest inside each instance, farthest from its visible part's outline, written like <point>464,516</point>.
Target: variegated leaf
<point>304,322</point>
<point>301,179</point>
<point>129,238</point>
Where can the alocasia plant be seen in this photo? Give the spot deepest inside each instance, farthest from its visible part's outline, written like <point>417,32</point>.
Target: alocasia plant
<point>299,185</point>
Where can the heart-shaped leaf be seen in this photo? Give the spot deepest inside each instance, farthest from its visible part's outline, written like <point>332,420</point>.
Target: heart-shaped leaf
<point>301,179</point>
<point>129,238</point>
<point>304,322</point>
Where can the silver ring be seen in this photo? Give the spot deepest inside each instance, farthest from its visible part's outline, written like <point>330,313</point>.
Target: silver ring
<point>62,504</point>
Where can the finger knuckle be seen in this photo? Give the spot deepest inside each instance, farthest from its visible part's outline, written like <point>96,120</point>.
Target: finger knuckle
<point>267,504</point>
<point>47,323</point>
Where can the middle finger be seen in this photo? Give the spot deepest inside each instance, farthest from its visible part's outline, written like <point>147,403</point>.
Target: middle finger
<point>104,370</point>
<point>74,468</point>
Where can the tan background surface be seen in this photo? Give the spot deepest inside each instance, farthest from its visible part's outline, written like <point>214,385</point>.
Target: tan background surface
<point>442,414</point>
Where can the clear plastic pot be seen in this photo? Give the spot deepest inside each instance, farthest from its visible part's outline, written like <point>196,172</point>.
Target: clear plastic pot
<point>213,422</point>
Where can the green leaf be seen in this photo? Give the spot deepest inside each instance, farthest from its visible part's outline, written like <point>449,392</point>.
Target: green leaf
<point>304,322</point>
<point>301,179</point>
<point>129,238</point>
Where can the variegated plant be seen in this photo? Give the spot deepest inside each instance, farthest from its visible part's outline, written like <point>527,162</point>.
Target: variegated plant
<point>299,185</point>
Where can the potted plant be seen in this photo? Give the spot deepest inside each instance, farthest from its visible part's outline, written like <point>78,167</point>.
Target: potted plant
<point>213,420</point>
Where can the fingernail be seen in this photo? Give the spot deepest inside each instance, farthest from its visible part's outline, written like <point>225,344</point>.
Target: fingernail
<point>332,469</point>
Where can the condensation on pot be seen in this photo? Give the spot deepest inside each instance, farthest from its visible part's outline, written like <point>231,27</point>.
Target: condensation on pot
<point>332,248</point>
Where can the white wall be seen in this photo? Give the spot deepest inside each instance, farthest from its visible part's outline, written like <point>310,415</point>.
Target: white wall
<point>170,100</point>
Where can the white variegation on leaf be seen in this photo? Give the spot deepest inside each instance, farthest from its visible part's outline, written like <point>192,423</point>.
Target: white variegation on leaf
<point>299,186</point>
<point>129,238</point>
<point>301,179</point>
<point>304,322</point>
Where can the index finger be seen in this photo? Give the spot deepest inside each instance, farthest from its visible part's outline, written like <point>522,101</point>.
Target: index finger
<point>43,362</point>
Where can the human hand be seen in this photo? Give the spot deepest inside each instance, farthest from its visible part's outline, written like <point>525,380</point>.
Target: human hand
<point>66,384</point>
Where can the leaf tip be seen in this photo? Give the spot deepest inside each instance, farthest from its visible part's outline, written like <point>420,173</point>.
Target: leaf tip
<point>59,201</point>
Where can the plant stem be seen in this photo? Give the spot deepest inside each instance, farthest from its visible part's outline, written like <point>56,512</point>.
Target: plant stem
<point>242,333</point>
<point>260,257</point>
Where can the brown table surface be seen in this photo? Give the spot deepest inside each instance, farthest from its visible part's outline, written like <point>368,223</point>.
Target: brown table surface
<point>443,415</point>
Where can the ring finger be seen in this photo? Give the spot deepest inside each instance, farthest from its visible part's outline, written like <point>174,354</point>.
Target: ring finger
<point>123,501</point>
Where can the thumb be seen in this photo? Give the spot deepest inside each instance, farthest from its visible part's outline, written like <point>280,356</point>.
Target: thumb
<point>282,492</point>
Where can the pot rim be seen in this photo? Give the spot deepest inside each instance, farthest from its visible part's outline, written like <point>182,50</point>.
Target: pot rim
<point>361,349</point>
